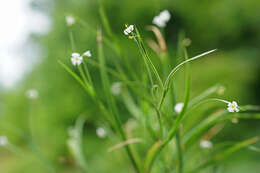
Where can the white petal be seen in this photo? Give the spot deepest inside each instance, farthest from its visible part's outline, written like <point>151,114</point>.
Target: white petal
<point>229,104</point>
<point>178,107</point>
<point>126,32</point>
<point>131,28</point>
<point>87,53</point>
<point>236,109</point>
<point>73,61</point>
<point>75,54</point>
<point>165,15</point>
<point>230,109</point>
<point>234,103</point>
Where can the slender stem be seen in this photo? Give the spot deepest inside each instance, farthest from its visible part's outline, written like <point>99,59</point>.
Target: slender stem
<point>179,149</point>
<point>88,74</point>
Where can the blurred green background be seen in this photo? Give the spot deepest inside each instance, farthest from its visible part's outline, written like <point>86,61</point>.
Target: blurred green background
<point>231,26</point>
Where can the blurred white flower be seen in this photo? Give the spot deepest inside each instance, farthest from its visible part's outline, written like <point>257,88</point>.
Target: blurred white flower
<point>73,132</point>
<point>129,29</point>
<point>162,19</point>
<point>178,107</point>
<point>206,144</point>
<point>101,132</point>
<point>76,59</point>
<point>232,107</point>
<point>32,94</point>
<point>116,88</point>
<point>70,20</point>
<point>87,53</point>
<point>3,140</point>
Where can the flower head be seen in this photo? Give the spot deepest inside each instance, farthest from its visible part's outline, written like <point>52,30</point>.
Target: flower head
<point>101,132</point>
<point>129,29</point>
<point>116,88</point>
<point>232,107</point>
<point>178,107</point>
<point>76,59</point>
<point>3,140</point>
<point>70,20</point>
<point>87,53</point>
<point>206,144</point>
<point>32,94</point>
<point>162,19</point>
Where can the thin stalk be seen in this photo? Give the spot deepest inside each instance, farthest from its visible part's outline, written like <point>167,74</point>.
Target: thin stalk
<point>147,58</point>
<point>171,75</point>
<point>83,75</point>
<point>88,74</point>
<point>179,151</point>
<point>111,101</point>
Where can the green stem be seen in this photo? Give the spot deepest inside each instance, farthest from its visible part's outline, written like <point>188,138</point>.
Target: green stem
<point>179,149</point>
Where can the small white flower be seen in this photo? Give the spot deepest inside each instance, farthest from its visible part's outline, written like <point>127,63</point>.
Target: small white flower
<point>87,53</point>
<point>178,107</point>
<point>3,140</point>
<point>101,132</point>
<point>159,22</point>
<point>32,94</point>
<point>70,20</point>
<point>116,88</point>
<point>129,29</point>
<point>165,15</point>
<point>206,144</point>
<point>232,107</point>
<point>76,59</point>
<point>162,19</point>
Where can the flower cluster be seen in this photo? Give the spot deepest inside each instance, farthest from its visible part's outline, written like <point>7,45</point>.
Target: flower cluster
<point>232,107</point>
<point>32,94</point>
<point>162,19</point>
<point>77,59</point>
<point>129,29</point>
<point>101,132</point>
<point>70,20</point>
<point>3,140</point>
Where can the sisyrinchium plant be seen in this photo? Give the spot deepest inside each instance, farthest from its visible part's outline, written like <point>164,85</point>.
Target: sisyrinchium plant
<point>150,99</point>
<point>161,133</point>
<point>159,119</point>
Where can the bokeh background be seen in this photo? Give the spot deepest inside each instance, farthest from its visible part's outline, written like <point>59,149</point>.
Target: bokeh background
<point>34,36</point>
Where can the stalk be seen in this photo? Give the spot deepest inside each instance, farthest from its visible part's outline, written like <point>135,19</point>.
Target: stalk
<point>111,100</point>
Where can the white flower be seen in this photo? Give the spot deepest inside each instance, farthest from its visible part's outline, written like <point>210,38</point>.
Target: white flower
<point>206,144</point>
<point>101,132</point>
<point>3,140</point>
<point>129,29</point>
<point>232,107</point>
<point>76,59</point>
<point>70,20</point>
<point>165,15</point>
<point>32,94</point>
<point>87,53</point>
<point>116,88</point>
<point>162,19</point>
<point>159,22</point>
<point>178,107</point>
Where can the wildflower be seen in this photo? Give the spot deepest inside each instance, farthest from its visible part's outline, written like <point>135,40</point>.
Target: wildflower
<point>129,29</point>
<point>206,144</point>
<point>87,53</point>
<point>3,140</point>
<point>70,20</point>
<point>162,19</point>
<point>76,59</point>
<point>232,107</point>
<point>101,132</point>
<point>178,107</point>
<point>32,94</point>
<point>116,88</point>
